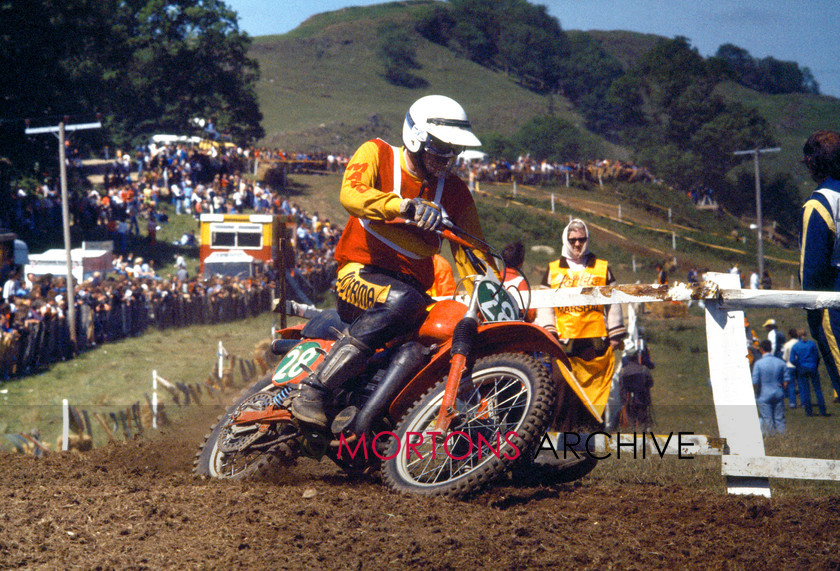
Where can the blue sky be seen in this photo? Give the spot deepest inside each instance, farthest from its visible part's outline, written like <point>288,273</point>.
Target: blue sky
<point>807,32</point>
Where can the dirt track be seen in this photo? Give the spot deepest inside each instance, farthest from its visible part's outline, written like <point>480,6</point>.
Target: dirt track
<point>137,505</point>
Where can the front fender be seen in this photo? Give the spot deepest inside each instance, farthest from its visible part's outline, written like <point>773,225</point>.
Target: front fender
<point>492,338</point>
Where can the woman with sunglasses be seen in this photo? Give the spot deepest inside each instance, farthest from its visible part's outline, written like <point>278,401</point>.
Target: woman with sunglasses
<point>386,268</point>
<point>589,333</point>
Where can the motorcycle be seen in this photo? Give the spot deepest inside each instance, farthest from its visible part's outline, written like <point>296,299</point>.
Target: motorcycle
<point>443,411</point>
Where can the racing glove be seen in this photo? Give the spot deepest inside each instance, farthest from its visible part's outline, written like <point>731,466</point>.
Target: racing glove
<point>424,213</point>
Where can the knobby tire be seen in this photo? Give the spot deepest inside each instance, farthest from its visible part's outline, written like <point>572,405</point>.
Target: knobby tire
<point>504,393</point>
<point>213,463</point>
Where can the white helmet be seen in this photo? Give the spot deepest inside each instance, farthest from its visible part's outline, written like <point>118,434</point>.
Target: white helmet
<point>437,117</point>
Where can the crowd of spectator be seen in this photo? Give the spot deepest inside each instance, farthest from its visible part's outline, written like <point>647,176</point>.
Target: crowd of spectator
<point>132,298</point>
<point>528,170</point>
<point>35,331</point>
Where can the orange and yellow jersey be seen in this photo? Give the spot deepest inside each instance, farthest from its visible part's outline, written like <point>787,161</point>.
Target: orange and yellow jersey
<point>579,322</point>
<point>372,190</point>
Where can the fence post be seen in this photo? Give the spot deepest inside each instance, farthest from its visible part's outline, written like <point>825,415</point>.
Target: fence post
<point>221,355</point>
<point>732,391</point>
<point>65,425</point>
<point>154,400</point>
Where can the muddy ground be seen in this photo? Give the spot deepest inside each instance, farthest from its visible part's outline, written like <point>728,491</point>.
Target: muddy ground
<point>136,505</point>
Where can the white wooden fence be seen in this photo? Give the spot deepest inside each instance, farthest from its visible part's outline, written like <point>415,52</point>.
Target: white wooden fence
<point>744,464</point>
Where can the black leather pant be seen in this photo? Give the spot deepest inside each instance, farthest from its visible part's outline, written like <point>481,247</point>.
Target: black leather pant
<point>379,304</point>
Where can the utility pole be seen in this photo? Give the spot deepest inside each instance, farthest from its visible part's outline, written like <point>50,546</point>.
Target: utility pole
<point>759,221</point>
<point>60,129</point>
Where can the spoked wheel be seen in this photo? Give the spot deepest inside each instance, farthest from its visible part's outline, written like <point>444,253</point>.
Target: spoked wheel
<point>244,452</point>
<point>503,408</point>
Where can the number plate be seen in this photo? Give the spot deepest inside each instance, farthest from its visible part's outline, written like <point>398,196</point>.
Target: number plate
<point>496,303</point>
<point>307,353</point>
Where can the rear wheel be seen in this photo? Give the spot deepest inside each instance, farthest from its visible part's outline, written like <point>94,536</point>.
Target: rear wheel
<point>503,408</point>
<point>244,452</point>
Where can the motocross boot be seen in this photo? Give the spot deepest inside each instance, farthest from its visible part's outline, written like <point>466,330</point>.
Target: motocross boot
<point>346,359</point>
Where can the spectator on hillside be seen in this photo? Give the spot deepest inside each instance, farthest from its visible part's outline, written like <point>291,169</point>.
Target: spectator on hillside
<point>790,369</point>
<point>11,286</point>
<point>805,356</point>
<point>776,337</point>
<point>768,377</point>
<point>661,275</point>
<point>766,281</point>
<point>635,381</point>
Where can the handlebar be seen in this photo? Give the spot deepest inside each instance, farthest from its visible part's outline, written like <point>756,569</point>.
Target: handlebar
<point>463,238</point>
<point>449,232</point>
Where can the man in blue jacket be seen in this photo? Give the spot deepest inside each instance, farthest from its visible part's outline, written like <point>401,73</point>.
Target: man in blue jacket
<point>820,249</point>
<point>768,382</point>
<point>806,358</point>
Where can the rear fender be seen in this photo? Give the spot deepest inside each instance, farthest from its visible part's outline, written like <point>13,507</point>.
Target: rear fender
<point>293,332</point>
<point>492,338</point>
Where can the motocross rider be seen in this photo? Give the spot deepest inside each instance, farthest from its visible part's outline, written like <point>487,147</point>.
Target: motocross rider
<point>386,268</point>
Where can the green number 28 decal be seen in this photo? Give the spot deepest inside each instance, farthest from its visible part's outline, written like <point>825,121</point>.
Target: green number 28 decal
<point>291,366</point>
<point>496,303</point>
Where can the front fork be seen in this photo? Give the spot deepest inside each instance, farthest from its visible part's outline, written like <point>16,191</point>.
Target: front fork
<point>462,341</point>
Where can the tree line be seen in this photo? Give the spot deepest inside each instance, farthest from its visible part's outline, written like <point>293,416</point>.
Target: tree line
<point>140,66</point>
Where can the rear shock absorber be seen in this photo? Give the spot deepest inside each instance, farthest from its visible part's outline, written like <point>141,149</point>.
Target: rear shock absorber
<point>278,399</point>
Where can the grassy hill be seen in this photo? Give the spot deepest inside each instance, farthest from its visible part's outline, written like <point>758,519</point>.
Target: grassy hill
<point>322,88</point>
<point>793,117</point>
<point>322,85</point>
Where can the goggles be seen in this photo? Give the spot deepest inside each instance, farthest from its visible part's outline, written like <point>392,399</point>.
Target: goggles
<point>441,149</point>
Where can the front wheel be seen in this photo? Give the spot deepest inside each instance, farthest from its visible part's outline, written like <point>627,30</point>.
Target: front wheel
<point>503,408</point>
